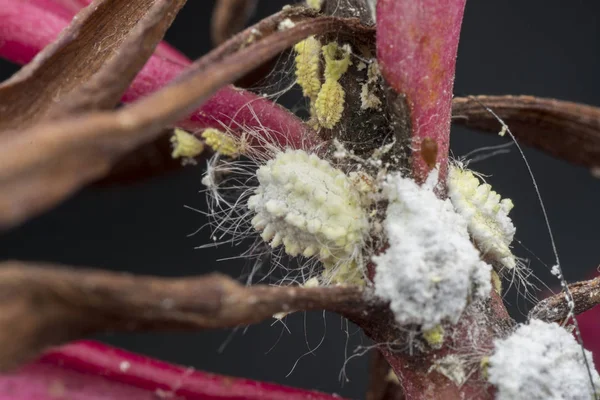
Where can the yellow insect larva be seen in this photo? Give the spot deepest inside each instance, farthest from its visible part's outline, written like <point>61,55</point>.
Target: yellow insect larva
<point>434,336</point>
<point>185,145</point>
<point>221,142</point>
<point>330,100</point>
<point>337,60</point>
<point>330,104</point>
<point>487,215</point>
<point>308,66</point>
<point>315,4</point>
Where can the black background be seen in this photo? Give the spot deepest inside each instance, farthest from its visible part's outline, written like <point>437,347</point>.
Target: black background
<point>545,48</point>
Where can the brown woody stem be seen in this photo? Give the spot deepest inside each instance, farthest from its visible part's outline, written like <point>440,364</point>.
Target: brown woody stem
<point>229,17</point>
<point>43,305</point>
<point>566,130</point>
<point>586,295</point>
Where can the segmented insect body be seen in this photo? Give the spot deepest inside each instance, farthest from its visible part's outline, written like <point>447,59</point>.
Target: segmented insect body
<point>308,66</point>
<point>221,142</point>
<point>311,208</point>
<point>330,104</point>
<point>488,222</point>
<point>330,100</point>
<point>185,145</point>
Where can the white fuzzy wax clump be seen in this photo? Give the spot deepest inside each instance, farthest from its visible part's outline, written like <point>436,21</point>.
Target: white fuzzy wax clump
<point>541,361</point>
<point>431,268</point>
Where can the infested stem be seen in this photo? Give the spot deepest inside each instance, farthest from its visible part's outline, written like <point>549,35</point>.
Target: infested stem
<point>479,325</point>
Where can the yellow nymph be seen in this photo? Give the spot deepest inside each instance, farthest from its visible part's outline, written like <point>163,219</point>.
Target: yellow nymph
<point>221,142</point>
<point>487,215</point>
<point>315,4</point>
<point>330,100</point>
<point>308,66</point>
<point>185,145</point>
<point>434,336</point>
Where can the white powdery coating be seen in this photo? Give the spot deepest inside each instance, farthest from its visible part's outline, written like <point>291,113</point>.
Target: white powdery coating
<point>310,207</point>
<point>542,361</point>
<point>430,268</point>
<point>487,215</point>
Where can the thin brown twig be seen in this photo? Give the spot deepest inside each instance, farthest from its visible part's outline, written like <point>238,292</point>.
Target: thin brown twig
<point>146,161</point>
<point>42,305</point>
<point>586,295</point>
<point>105,89</point>
<point>90,65</point>
<point>566,130</point>
<point>229,17</point>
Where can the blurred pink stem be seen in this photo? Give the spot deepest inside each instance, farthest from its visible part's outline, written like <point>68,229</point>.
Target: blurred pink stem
<point>71,7</point>
<point>28,26</point>
<point>94,371</point>
<point>417,41</point>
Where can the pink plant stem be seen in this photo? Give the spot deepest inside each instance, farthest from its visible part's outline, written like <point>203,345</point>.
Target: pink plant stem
<point>93,371</point>
<point>417,41</point>
<point>62,8</point>
<point>230,106</point>
<point>27,28</point>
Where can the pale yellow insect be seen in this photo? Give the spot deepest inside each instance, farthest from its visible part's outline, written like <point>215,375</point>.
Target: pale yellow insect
<point>308,66</point>
<point>330,100</point>
<point>221,142</point>
<point>185,145</point>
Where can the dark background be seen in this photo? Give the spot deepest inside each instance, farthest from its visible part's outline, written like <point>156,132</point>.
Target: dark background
<point>543,48</point>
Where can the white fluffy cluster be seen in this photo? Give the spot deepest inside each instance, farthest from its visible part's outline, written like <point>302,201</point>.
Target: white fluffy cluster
<point>487,215</point>
<point>310,207</point>
<point>541,361</point>
<point>431,268</point>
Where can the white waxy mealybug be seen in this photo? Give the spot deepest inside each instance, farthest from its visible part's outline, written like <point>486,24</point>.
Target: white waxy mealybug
<point>541,361</point>
<point>430,270</point>
<point>487,215</point>
<point>311,208</point>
